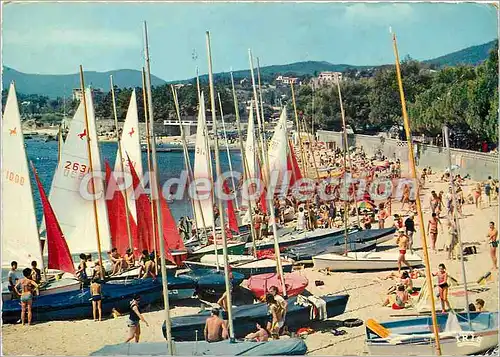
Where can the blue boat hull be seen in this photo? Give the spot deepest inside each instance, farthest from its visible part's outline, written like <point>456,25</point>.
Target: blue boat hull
<point>289,347</point>
<point>190,328</point>
<point>117,295</point>
<point>211,283</point>
<point>361,241</point>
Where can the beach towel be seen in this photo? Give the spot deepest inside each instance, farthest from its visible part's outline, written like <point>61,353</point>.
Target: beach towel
<point>319,311</point>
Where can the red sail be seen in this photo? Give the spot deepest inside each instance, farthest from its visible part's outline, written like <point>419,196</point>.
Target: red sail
<point>143,212</point>
<point>262,198</point>
<point>171,236</point>
<point>117,220</point>
<point>59,254</point>
<point>231,216</point>
<point>296,174</point>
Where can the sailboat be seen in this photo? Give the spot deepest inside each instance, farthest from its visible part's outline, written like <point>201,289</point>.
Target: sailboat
<point>78,223</point>
<point>20,238</point>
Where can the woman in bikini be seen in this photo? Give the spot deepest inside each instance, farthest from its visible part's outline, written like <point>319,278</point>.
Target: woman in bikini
<point>261,335</point>
<point>382,216</point>
<point>276,321</point>
<point>432,227</point>
<point>26,288</point>
<point>434,202</point>
<point>134,320</point>
<point>406,196</point>
<point>442,276</point>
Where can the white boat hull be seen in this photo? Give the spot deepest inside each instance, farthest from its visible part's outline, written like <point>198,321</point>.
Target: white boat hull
<point>54,287</point>
<point>363,261</point>
<point>449,346</point>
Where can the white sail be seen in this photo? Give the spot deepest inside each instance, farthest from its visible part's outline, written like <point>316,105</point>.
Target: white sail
<point>74,212</point>
<point>201,172</point>
<point>20,240</point>
<point>131,146</point>
<point>251,146</point>
<point>278,149</point>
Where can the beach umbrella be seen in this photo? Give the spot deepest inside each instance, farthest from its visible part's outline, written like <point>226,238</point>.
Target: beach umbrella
<point>365,205</point>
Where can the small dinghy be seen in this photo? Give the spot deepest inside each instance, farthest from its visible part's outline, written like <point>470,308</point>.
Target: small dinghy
<point>414,336</point>
<point>363,261</point>
<point>295,284</point>
<point>288,347</point>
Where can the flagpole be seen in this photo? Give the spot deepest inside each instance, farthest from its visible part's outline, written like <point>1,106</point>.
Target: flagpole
<point>406,120</point>
<point>219,176</point>
<point>157,197</point>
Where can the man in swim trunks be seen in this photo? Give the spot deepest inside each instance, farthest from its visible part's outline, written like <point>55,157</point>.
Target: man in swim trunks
<point>402,241</point>
<point>273,290</point>
<point>493,242</point>
<point>95,291</point>
<point>215,329</point>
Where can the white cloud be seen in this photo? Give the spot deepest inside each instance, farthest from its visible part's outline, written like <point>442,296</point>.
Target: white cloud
<point>379,13</point>
<point>73,37</point>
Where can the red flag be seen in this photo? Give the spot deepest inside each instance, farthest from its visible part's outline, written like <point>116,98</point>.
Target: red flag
<point>59,254</point>
<point>117,220</point>
<point>231,216</point>
<point>297,175</point>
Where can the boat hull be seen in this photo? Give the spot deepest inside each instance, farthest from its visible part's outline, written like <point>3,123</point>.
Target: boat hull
<point>247,268</point>
<point>116,295</point>
<point>233,249</point>
<point>363,261</point>
<point>289,347</point>
<point>413,336</point>
<point>190,328</point>
<point>357,241</point>
<point>53,287</point>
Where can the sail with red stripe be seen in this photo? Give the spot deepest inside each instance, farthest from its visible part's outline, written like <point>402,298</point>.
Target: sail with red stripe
<point>143,213</point>
<point>293,165</point>
<point>231,215</point>
<point>117,219</point>
<point>262,198</point>
<point>59,254</point>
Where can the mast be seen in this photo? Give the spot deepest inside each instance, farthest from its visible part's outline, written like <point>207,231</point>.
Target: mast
<point>59,144</point>
<point>270,188</point>
<point>246,170</point>
<point>417,198</point>
<point>188,165</point>
<point>227,150</point>
<point>346,150</point>
<point>156,197</point>
<point>150,168</point>
<point>301,148</point>
<point>118,138</point>
<point>457,221</point>
<point>221,206</point>
<point>91,171</point>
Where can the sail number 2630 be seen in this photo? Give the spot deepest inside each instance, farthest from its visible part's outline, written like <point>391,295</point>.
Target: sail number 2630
<point>16,178</point>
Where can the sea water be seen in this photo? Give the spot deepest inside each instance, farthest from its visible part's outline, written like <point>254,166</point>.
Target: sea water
<point>44,156</point>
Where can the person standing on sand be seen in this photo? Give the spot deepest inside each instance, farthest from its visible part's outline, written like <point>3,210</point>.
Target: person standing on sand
<point>402,242</point>
<point>410,230</point>
<point>134,320</point>
<point>442,276</point>
<point>13,278</point>
<point>477,195</point>
<point>95,291</point>
<point>382,216</point>
<point>493,242</point>
<point>432,228</point>
<point>28,288</point>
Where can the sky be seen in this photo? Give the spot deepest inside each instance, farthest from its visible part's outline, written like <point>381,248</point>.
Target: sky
<point>55,38</point>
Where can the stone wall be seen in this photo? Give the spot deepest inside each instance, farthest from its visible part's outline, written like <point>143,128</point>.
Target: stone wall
<point>478,165</point>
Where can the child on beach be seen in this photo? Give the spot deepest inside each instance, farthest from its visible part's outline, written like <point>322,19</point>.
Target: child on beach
<point>399,299</point>
<point>442,276</point>
<point>134,320</point>
<point>95,291</point>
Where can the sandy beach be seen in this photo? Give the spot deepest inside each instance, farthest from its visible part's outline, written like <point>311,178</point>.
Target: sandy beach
<point>366,290</point>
